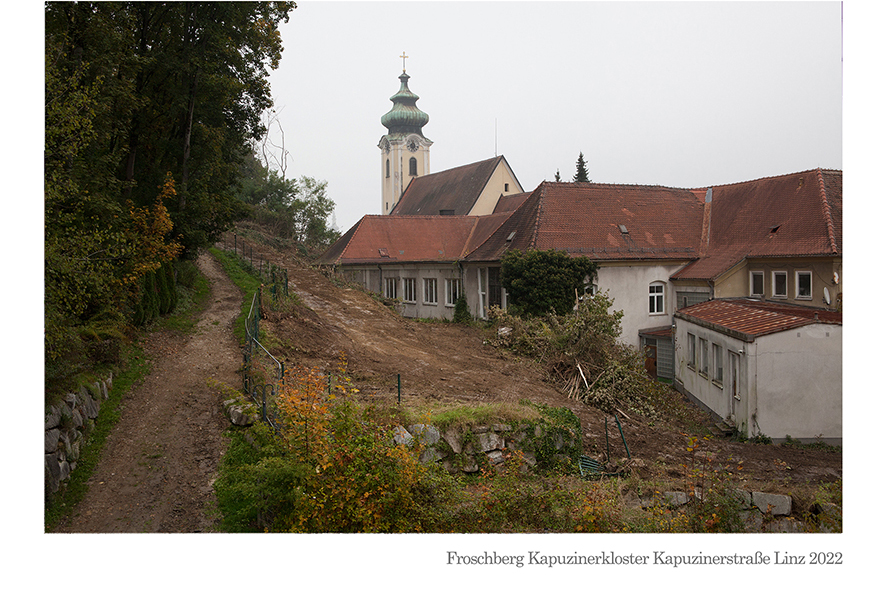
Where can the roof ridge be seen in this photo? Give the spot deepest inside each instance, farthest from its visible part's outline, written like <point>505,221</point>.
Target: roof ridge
<point>816,170</point>
<point>828,216</point>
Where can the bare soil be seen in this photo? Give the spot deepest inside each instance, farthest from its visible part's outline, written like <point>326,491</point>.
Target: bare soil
<point>448,362</point>
<point>158,467</point>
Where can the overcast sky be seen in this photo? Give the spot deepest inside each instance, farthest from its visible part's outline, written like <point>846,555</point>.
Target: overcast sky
<point>676,94</point>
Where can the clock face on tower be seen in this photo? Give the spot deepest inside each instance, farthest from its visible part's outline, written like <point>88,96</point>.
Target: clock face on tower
<point>412,145</point>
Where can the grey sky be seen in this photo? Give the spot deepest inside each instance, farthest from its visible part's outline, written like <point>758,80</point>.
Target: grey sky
<point>677,94</point>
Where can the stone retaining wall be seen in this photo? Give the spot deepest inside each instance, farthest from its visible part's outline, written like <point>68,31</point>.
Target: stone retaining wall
<point>67,425</point>
<point>470,448</point>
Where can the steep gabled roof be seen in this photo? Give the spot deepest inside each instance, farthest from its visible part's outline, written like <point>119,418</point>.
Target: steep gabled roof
<point>747,319</point>
<point>389,239</point>
<point>603,222</point>
<point>795,215</point>
<point>454,190</point>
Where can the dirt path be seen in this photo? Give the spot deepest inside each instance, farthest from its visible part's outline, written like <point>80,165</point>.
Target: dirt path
<point>159,462</point>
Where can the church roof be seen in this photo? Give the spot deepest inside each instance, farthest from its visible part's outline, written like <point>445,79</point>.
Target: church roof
<point>454,191</point>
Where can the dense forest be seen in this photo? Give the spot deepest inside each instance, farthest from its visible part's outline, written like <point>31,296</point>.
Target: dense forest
<point>152,115</point>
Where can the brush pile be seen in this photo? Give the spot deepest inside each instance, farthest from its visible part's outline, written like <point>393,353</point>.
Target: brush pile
<point>580,352</point>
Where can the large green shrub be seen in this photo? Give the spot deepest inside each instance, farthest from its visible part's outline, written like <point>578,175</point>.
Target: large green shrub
<point>542,282</point>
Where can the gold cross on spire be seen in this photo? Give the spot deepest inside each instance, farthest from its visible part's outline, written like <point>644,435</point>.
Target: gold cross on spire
<point>404,56</point>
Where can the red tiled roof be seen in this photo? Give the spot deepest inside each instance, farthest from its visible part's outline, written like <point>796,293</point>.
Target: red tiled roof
<point>393,239</point>
<point>603,222</point>
<point>799,214</point>
<point>455,190</point>
<point>753,318</point>
<point>510,202</point>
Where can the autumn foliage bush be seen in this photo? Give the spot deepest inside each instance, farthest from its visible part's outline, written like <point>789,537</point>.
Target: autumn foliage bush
<point>329,469</point>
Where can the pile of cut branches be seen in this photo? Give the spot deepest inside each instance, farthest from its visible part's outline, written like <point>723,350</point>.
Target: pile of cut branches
<point>581,352</point>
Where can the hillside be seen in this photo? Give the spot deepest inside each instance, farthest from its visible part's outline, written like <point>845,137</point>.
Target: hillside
<point>443,362</point>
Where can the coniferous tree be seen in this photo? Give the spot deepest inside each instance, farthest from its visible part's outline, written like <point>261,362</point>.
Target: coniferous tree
<point>581,170</point>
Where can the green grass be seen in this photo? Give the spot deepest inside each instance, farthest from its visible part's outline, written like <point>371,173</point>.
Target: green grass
<point>244,280</point>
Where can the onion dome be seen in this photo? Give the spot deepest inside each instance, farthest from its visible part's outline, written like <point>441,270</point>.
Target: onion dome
<point>404,117</point>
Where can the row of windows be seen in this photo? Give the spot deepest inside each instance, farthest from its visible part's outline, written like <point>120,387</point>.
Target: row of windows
<point>779,285</point>
<point>708,363</point>
<point>413,167</point>
<point>429,290</point>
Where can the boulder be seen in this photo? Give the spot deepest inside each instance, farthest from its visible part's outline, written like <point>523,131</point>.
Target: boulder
<point>52,417</point>
<point>50,439</point>
<point>676,499</point>
<point>241,413</point>
<point>402,436</point>
<point>489,441</point>
<point>426,434</point>
<point>775,504</point>
<point>453,439</point>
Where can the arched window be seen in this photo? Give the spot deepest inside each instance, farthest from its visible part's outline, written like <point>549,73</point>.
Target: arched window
<point>656,298</point>
<point>413,167</point>
<point>388,168</point>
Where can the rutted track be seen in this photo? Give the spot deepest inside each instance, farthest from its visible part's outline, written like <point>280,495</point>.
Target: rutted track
<point>158,464</point>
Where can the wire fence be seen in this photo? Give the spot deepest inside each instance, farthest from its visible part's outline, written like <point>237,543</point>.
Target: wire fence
<point>263,373</point>
<point>276,277</point>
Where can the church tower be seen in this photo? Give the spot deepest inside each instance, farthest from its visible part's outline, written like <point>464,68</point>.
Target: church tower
<point>405,152</point>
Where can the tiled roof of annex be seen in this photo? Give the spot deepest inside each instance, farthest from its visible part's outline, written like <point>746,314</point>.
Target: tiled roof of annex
<point>378,239</point>
<point>453,190</point>
<point>798,214</point>
<point>750,318</point>
<point>603,222</point>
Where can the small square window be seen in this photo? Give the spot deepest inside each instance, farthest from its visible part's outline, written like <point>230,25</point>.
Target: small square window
<point>656,298</point>
<point>391,288</point>
<point>409,290</point>
<point>804,285</point>
<point>703,356</point>
<point>757,284</point>
<point>780,284</point>
<point>453,291</point>
<point>430,292</point>
<point>717,355</point>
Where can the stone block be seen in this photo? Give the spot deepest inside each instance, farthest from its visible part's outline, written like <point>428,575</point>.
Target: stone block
<point>402,436</point>
<point>426,434</point>
<point>51,473</point>
<point>453,439</point>
<point>676,499</point>
<point>495,457</point>
<point>52,417</point>
<point>488,441</point>
<point>90,408</point>
<point>50,439</point>
<point>775,504</point>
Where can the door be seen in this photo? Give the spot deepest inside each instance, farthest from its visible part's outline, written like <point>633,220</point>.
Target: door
<point>495,287</point>
<point>734,385</point>
<point>650,349</point>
